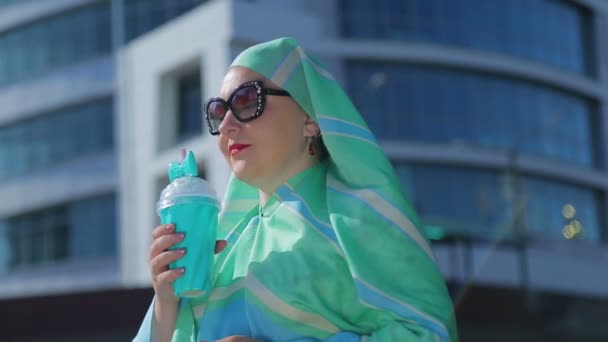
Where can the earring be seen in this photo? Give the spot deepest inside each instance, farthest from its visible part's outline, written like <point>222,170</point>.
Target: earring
<point>311,146</point>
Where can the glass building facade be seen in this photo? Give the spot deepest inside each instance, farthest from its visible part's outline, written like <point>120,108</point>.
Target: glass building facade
<point>476,109</point>
<point>60,149</point>
<point>83,128</point>
<point>550,32</point>
<point>501,153</point>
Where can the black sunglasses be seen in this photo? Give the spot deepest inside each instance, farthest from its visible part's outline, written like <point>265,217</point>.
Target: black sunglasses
<point>246,103</point>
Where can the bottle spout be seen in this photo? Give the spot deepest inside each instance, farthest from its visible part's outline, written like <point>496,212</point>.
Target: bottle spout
<point>187,167</point>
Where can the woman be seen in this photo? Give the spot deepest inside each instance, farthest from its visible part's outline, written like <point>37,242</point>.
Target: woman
<point>317,242</point>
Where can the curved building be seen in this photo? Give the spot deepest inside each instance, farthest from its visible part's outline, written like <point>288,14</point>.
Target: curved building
<point>494,113</point>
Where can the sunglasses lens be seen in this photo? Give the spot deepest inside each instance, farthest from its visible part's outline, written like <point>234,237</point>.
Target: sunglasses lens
<point>245,102</point>
<point>216,111</point>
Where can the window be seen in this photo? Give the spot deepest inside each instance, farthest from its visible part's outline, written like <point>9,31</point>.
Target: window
<point>190,122</point>
<point>442,105</point>
<point>92,224</point>
<point>180,105</point>
<point>492,205</point>
<point>456,201</point>
<point>83,229</point>
<point>555,210</point>
<point>54,42</point>
<point>56,137</point>
<point>142,16</point>
<point>552,32</point>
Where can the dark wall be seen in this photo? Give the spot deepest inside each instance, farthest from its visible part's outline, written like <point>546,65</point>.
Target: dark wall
<point>90,316</point>
<point>483,314</point>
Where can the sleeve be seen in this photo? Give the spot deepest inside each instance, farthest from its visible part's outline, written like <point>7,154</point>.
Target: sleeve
<point>185,328</point>
<point>145,329</point>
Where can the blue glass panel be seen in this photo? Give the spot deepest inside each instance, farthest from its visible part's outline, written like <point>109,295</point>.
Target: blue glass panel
<point>57,221</point>
<point>6,247</point>
<point>17,153</point>
<point>480,204</point>
<point>189,105</point>
<point>4,3</point>
<point>463,202</point>
<point>545,201</point>
<point>37,236</point>
<point>93,227</point>
<point>56,137</point>
<point>442,105</point>
<point>86,228</point>
<point>53,42</point>
<point>142,16</point>
<point>546,31</point>
<point>32,239</point>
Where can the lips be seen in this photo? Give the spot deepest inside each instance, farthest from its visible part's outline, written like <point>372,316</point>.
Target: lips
<point>236,148</point>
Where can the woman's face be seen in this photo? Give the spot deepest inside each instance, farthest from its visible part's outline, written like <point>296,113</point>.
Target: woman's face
<point>267,151</point>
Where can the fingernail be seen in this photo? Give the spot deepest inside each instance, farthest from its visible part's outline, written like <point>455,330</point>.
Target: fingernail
<point>169,227</point>
<point>180,236</point>
<point>182,270</point>
<point>181,251</point>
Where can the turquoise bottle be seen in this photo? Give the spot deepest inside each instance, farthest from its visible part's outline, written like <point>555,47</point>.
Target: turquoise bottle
<point>190,203</point>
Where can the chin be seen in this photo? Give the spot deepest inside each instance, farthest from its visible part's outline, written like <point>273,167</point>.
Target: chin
<point>242,171</point>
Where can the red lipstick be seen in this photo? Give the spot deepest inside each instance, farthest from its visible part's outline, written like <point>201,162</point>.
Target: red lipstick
<point>236,148</point>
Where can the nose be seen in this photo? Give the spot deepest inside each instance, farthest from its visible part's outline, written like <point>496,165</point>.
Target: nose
<point>229,124</point>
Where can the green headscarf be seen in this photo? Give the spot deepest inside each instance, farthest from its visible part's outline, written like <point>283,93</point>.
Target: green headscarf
<point>390,255</point>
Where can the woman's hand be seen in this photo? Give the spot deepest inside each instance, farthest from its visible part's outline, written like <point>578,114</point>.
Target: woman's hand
<point>165,305</point>
<point>163,237</point>
<point>160,257</point>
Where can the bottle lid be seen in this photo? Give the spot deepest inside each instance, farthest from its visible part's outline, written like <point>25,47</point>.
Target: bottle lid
<point>185,185</point>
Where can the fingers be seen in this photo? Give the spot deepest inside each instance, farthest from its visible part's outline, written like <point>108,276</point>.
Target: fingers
<point>220,245</point>
<point>163,242</point>
<point>164,237</point>
<point>167,277</point>
<point>160,263</point>
<point>163,229</point>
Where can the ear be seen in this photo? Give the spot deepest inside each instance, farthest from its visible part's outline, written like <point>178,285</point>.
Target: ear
<point>311,129</point>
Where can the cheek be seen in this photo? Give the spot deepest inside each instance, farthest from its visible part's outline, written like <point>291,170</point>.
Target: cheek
<point>222,143</point>
<point>283,121</point>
